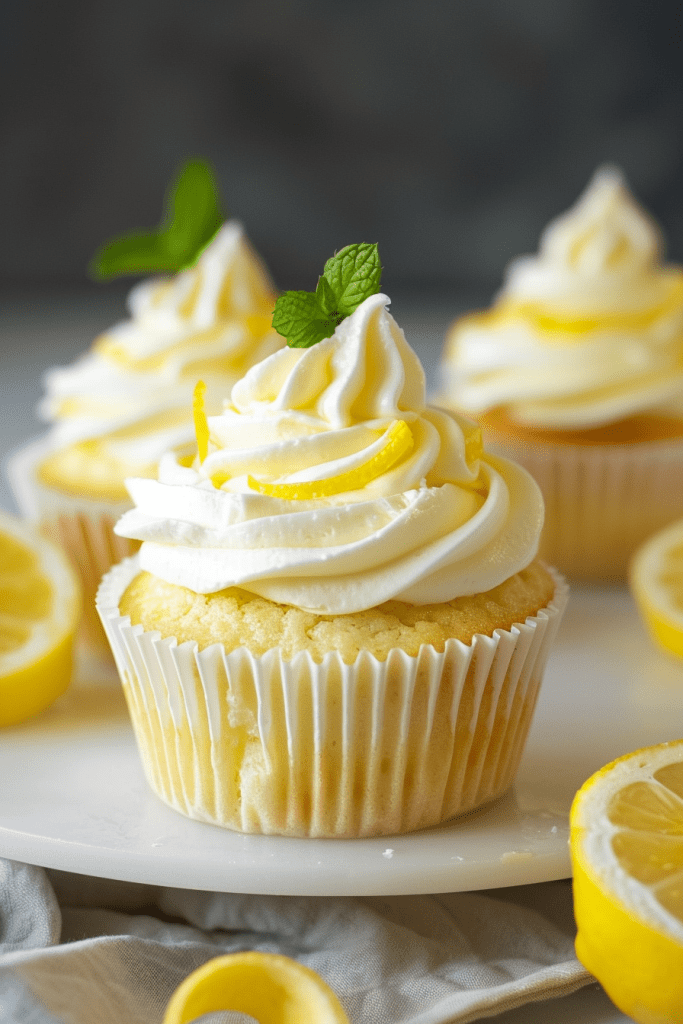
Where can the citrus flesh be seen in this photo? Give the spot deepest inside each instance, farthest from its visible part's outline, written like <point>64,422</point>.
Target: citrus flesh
<point>271,988</point>
<point>39,609</point>
<point>626,840</point>
<point>656,578</point>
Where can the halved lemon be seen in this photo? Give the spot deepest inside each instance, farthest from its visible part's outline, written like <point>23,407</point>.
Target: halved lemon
<point>656,576</point>
<point>271,988</point>
<point>627,856</point>
<point>39,610</point>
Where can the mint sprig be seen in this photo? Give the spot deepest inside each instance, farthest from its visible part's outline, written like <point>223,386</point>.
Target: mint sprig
<point>349,277</point>
<point>192,218</point>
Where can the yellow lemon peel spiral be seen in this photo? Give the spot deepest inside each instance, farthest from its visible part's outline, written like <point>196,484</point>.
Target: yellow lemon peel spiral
<point>201,424</point>
<point>399,441</point>
<point>269,987</point>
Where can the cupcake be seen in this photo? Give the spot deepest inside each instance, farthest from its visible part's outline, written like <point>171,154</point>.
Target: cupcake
<point>120,406</point>
<point>336,624</point>
<point>576,372</point>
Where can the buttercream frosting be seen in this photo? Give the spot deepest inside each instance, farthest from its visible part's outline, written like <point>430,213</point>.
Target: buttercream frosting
<point>133,389</point>
<point>442,520</point>
<point>588,331</point>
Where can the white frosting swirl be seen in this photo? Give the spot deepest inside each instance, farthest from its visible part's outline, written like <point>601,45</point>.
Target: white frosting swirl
<point>443,520</point>
<point>210,321</point>
<point>587,332</point>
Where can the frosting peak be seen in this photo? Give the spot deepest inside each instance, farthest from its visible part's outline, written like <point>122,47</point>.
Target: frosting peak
<point>330,484</point>
<point>211,320</point>
<point>587,332</point>
<point>605,232</point>
<point>227,283</point>
<point>367,371</point>
<point>595,254</point>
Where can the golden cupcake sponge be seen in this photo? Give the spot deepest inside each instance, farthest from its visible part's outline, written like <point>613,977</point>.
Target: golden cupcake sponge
<point>236,618</point>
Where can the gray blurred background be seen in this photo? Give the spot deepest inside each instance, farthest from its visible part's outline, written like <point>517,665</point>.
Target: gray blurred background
<point>448,131</point>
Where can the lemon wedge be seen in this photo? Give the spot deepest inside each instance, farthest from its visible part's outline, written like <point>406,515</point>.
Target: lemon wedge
<point>271,988</point>
<point>656,576</point>
<point>398,440</point>
<point>39,610</point>
<point>626,841</point>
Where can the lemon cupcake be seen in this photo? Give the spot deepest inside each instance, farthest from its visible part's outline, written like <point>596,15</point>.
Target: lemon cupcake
<point>576,371</point>
<point>121,405</point>
<point>336,625</point>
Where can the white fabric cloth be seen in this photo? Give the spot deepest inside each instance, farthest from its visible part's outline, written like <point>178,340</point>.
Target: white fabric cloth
<point>80,950</point>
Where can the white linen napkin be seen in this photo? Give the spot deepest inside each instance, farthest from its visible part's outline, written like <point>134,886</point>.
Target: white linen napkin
<point>81,950</point>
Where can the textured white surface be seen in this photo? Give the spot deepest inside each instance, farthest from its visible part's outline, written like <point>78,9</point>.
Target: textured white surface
<point>72,793</point>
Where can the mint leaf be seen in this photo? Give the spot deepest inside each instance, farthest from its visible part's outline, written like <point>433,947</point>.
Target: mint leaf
<point>116,259</point>
<point>349,277</point>
<point>299,318</point>
<point>193,217</point>
<point>293,307</point>
<point>354,274</point>
<point>327,300</point>
<point>196,215</point>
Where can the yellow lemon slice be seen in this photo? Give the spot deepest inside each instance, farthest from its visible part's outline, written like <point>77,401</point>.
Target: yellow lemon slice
<point>656,577</point>
<point>398,441</point>
<point>201,424</point>
<point>627,857</point>
<point>39,609</point>
<point>272,989</point>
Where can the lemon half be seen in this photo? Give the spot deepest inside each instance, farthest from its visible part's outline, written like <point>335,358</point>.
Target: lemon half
<point>39,610</point>
<point>656,577</point>
<point>627,855</point>
<point>271,988</point>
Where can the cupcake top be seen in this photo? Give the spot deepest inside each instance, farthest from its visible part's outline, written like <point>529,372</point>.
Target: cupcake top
<point>329,484</point>
<point>132,390</point>
<point>587,332</point>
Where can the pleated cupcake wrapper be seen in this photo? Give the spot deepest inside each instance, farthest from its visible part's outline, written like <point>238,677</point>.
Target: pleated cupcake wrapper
<point>601,501</point>
<point>260,744</point>
<point>84,528</point>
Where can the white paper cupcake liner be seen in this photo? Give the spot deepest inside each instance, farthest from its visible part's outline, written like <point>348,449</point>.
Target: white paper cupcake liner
<point>601,501</point>
<point>260,744</point>
<point>84,528</point>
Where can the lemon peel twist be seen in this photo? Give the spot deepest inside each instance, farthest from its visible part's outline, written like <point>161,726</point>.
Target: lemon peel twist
<point>272,988</point>
<point>201,424</point>
<point>399,441</point>
<point>558,325</point>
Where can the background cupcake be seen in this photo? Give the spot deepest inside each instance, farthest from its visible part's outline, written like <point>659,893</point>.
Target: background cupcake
<point>576,371</point>
<point>339,628</point>
<point>121,405</point>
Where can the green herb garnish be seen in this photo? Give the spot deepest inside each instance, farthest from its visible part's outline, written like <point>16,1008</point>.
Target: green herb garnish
<point>193,217</point>
<point>349,277</point>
